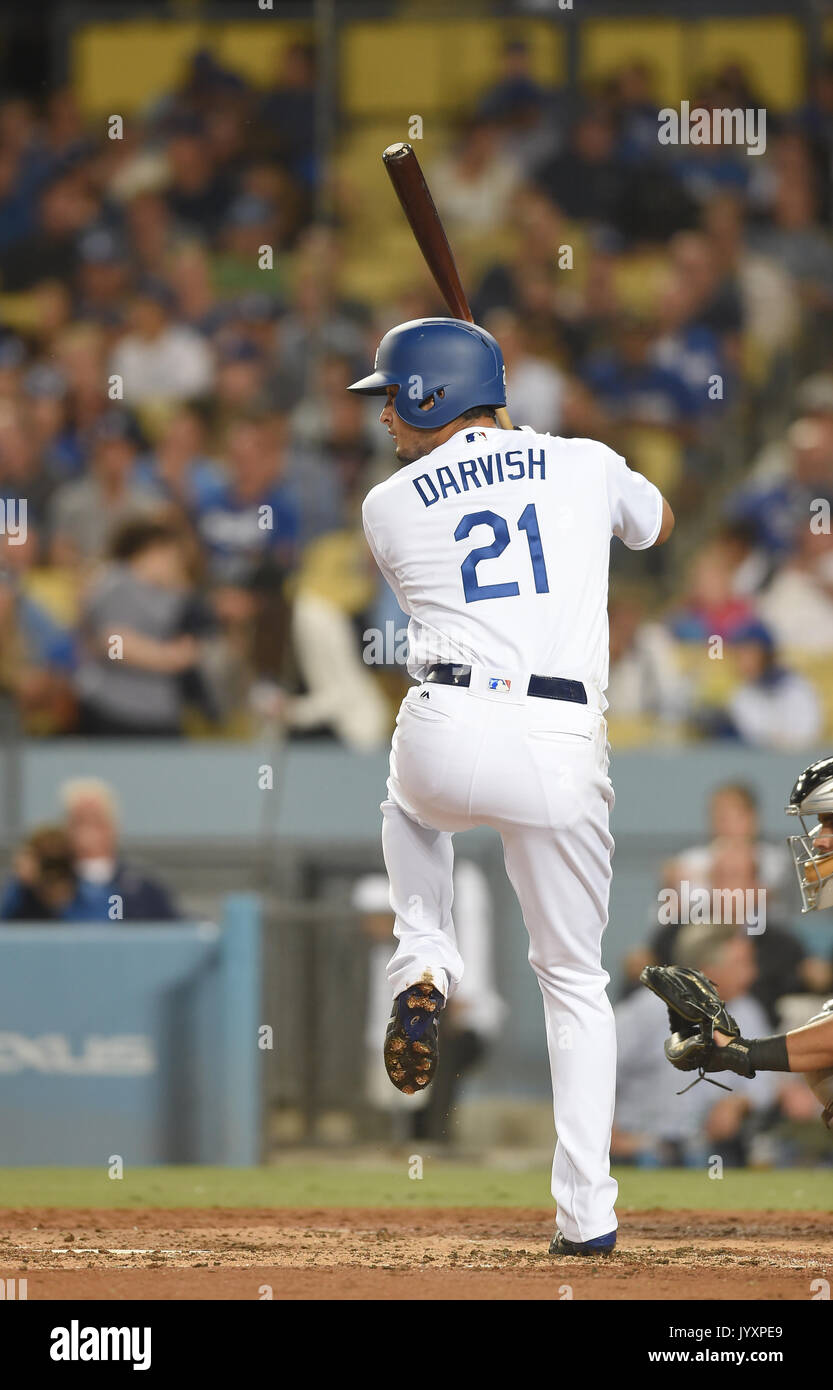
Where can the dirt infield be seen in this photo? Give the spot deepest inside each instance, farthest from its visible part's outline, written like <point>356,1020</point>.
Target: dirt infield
<point>390,1253</point>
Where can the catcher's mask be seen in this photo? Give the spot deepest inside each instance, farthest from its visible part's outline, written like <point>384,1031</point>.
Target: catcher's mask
<point>812,795</point>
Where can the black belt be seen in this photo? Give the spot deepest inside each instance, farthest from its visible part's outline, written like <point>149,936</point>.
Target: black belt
<point>544,687</point>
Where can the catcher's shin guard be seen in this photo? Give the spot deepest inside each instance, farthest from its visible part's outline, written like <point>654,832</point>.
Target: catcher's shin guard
<point>412,1039</point>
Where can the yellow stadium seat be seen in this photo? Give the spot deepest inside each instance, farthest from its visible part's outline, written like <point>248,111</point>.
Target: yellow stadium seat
<point>606,45</point>
<point>119,67</point>
<point>712,679</point>
<point>423,67</point>
<point>656,453</point>
<point>770,50</point>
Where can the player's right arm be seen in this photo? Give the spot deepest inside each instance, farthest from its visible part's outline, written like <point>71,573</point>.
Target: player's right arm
<point>667,524</point>
<point>371,528</point>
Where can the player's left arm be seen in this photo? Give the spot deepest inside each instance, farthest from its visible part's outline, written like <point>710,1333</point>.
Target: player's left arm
<point>639,514</point>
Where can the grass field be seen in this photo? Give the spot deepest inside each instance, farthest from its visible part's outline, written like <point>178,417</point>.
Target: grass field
<point>347,1183</point>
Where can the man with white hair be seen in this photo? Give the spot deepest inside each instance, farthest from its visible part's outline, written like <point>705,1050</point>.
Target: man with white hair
<point>108,888</point>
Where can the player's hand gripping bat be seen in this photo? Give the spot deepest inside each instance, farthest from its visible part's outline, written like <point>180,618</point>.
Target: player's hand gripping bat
<point>418,206</point>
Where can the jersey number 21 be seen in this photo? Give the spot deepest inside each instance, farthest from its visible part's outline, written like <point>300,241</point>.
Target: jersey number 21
<point>528,522</point>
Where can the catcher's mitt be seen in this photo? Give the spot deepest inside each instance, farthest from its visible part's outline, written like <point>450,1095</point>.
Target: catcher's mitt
<point>695,1010</point>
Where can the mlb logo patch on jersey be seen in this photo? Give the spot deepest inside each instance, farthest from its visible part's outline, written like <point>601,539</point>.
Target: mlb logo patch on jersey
<point>499,683</point>
<point>474,435</point>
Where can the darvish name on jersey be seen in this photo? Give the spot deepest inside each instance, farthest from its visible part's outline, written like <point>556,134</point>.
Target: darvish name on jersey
<point>480,472</point>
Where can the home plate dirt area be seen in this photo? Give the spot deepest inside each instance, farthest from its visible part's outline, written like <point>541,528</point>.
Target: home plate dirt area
<point>398,1253</point>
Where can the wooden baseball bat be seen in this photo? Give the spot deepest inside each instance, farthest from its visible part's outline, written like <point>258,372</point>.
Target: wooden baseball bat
<point>418,206</point>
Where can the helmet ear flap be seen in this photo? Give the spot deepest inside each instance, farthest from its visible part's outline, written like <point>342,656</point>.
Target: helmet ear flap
<point>418,400</point>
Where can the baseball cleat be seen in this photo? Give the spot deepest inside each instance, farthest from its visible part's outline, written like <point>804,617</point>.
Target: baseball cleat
<point>600,1245</point>
<point>411,1042</point>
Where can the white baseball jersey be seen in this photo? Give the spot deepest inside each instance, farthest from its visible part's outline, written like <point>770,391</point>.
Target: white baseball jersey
<point>497,544</point>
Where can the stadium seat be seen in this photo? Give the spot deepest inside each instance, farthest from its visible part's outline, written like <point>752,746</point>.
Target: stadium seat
<point>769,50</point>
<point>121,67</point>
<point>606,45</point>
<point>449,63</point>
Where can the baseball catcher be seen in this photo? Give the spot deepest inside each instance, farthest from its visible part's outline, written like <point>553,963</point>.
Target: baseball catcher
<point>704,1036</point>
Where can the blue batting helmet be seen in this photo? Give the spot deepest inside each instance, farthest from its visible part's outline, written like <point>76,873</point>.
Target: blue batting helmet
<point>457,363</point>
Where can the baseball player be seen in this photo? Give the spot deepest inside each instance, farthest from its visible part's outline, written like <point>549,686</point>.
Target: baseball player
<point>496,544</point>
<point>704,1037</point>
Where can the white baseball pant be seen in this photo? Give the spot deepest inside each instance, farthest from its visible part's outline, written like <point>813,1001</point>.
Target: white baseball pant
<point>536,771</point>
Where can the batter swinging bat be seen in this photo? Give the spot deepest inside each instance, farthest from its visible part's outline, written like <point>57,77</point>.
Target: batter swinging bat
<point>418,206</point>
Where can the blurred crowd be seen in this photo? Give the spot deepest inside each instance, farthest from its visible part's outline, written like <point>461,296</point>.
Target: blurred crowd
<point>722,907</point>
<point>181,308</point>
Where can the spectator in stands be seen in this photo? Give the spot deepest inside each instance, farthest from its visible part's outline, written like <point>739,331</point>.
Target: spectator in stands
<point>815,119</point>
<point>753,283</point>
<point>711,607</point>
<point>333,587</point>
<point>644,680</point>
<point>586,181</point>
<point>198,194</point>
<point>535,387</point>
<point>773,707</point>
<point>778,502</point>
<point>797,606</point>
<point>240,387</point>
<point>733,820</point>
<point>109,888</point>
<point>637,113</point>
<point>318,322</point>
<point>794,238</point>
<point>476,181</point>
<point>179,468</point>
<point>655,1126</point>
<point>252,523</point>
<point>289,111</point>
<point>84,513</point>
<point>250,224</point>
<point>633,386</point>
<point>532,121</point>
<point>44,883</point>
<point>103,276</point>
<point>690,349</point>
<point>65,207</point>
<point>537,228</point>
<point>713,167</point>
<point>23,472</point>
<point>695,259</point>
<point>160,360</point>
<point>141,626</point>
<point>38,610</point>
